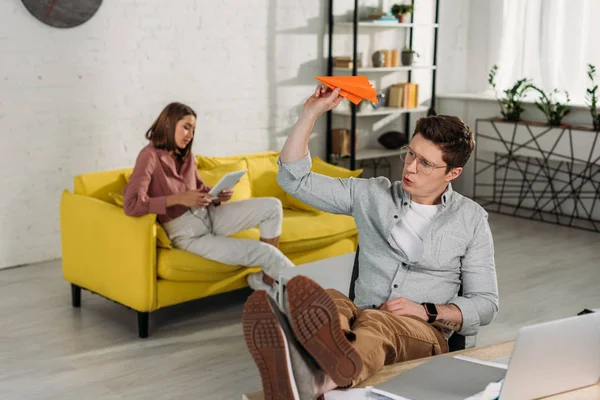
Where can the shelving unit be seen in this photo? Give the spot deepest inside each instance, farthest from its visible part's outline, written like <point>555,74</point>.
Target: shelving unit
<point>369,154</point>
<point>389,25</point>
<point>377,156</point>
<point>387,69</point>
<point>382,111</point>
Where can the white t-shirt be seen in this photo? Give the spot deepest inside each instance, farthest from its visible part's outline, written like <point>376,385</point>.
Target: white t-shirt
<point>409,232</point>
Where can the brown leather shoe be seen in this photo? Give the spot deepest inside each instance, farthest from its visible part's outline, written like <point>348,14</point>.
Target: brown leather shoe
<point>276,353</point>
<point>316,324</point>
<point>266,342</point>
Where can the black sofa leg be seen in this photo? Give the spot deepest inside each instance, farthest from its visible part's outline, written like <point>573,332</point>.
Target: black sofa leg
<point>75,295</point>
<point>143,324</point>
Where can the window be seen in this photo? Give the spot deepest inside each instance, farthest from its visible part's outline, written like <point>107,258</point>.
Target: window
<point>550,41</point>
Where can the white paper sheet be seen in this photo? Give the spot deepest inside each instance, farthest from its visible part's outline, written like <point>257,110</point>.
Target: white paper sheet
<point>348,394</point>
<point>490,363</point>
<point>491,392</point>
<point>358,394</point>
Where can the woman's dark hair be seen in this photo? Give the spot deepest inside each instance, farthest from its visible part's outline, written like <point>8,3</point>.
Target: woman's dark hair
<point>162,131</point>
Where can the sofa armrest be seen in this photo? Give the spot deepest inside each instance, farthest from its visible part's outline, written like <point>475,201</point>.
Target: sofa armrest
<point>107,252</point>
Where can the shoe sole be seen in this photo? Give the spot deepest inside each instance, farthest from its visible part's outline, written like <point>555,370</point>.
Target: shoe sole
<point>268,347</point>
<point>316,323</point>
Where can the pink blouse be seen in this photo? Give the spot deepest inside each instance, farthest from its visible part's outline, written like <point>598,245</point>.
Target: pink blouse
<point>154,178</point>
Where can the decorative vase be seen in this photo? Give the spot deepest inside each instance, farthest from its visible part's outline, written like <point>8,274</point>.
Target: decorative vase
<point>378,59</point>
<point>407,57</point>
<point>381,99</point>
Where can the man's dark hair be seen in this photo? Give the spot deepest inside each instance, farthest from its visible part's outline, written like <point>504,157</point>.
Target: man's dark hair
<point>451,135</point>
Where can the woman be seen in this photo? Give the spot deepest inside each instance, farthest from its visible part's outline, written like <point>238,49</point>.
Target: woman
<point>165,182</point>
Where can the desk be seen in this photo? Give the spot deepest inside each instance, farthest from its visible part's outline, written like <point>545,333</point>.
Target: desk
<point>482,353</point>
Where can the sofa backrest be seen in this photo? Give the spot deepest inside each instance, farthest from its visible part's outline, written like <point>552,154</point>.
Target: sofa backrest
<point>262,171</point>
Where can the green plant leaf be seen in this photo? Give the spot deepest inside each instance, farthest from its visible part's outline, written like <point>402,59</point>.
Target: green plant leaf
<point>541,107</point>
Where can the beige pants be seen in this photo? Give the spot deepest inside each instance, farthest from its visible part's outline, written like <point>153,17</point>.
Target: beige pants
<point>383,338</point>
<point>205,231</point>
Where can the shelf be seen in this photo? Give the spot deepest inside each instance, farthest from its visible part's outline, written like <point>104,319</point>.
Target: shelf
<point>388,25</point>
<point>368,154</point>
<point>387,69</point>
<point>359,30</point>
<point>383,111</point>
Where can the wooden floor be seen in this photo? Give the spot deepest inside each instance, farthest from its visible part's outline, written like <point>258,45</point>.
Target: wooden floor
<point>196,351</point>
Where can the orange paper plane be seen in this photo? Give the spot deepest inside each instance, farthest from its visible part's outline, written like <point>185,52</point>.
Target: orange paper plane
<point>354,88</point>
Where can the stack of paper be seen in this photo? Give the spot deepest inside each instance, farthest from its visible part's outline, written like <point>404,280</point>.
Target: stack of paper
<point>453,379</point>
<point>353,88</point>
<point>348,394</point>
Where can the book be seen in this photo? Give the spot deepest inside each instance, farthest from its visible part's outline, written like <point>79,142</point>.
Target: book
<point>441,377</point>
<point>404,95</point>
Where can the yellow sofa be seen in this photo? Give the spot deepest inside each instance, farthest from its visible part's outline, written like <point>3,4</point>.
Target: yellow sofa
<point>130,260</point>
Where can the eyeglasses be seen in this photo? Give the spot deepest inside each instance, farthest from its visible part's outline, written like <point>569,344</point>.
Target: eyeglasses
<point>424,166</point>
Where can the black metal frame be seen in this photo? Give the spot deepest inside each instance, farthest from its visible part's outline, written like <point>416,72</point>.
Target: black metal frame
<point>548,203</point>
<point>431,111</point>
<point>142,317</point>
<point>456,342</point>
<point>435,48</point>
<point>376,163</point>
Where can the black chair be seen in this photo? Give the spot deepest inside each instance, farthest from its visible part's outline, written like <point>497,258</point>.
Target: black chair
<point>456,341</point>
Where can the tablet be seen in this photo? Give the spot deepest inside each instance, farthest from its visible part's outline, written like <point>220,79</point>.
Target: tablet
<point>228,181</point>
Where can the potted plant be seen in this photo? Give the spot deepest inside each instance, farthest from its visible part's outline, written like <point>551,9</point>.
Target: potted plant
<point>400,11</point>
<point>408,56</point>
<point>554,110</point>
<point>511,106</point>
<point>592,99</point>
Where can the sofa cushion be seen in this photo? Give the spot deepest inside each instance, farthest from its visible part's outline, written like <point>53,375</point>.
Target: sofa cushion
<point>181,266</point>
<point>302,234</point>
<point>212,162</point>
<point>100,184</point>
<point>127,175</point>
<point>241,191</point>
<point>324,168</point>
<point>302,231</point>
<point>262,171</point>
<point>263,177</point>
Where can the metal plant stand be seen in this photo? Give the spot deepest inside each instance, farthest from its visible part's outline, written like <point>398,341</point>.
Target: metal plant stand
<point>535,171</point>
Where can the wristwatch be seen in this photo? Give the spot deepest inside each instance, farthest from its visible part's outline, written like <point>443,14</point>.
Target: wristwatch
<point>431,311</point>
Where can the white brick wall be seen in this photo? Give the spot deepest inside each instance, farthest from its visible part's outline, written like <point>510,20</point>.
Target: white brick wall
<point>80,100</point>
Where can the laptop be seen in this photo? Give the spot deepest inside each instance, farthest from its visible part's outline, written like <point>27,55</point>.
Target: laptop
<point>547,359</point>
<point>554,357</point>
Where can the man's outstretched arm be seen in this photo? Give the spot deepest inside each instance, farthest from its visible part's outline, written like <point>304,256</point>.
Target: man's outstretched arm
<point>296,145</point>
<point>333,195</point>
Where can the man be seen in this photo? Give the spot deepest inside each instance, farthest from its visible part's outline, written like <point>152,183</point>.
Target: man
<point>419,242</point>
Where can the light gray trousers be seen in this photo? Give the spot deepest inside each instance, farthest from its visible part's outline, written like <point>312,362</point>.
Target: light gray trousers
<point>205,231</point>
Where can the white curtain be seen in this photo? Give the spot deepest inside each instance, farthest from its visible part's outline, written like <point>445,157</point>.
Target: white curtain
<point>550,41</point>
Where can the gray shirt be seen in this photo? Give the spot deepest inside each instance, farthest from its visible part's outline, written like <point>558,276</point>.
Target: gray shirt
<point>458,247</point>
